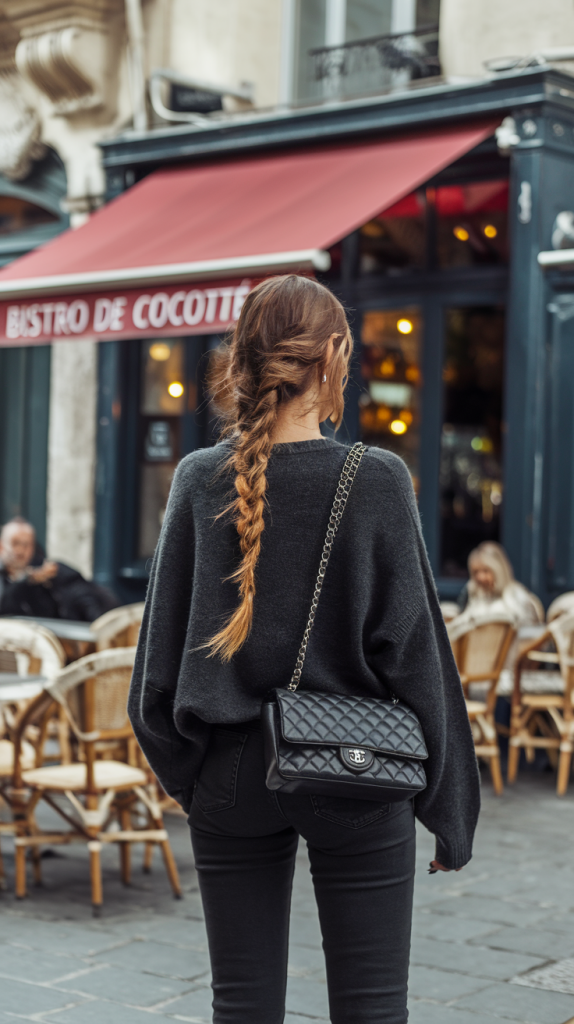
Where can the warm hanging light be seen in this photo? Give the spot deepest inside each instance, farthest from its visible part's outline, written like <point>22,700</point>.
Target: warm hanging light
<point>404,326</point>
<point>461,233</point>
<point>398,427</point>
<point>490,231</point>
<point>159,351</point>
<point>175,389</point>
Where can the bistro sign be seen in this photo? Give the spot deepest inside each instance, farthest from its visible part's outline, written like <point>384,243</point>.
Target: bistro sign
<point>131,313</point>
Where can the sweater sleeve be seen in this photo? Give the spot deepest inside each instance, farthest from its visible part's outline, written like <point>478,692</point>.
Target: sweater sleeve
<point>412,656</point>
<point>174,758</point>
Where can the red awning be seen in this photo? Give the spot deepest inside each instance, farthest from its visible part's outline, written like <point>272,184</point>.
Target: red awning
<point>232,219</point>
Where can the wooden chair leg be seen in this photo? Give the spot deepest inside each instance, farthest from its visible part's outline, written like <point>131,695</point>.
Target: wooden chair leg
<point>496,774</point>
<point>171,868</point>
<point>148,857</point>
<point>95,848</point>
<point>513,761</point>
<point>125,848</point>
<point>20,866</point>
<point>532,728</point>
<point>37,864</point>
<point>2,872</point>
<point>564,770</point>
<point>64,738</point>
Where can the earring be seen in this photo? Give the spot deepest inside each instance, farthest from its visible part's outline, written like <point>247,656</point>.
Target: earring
<point>324,378</point>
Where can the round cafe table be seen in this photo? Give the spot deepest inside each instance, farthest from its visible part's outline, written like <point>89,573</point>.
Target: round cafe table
<point>14,688</point>
<point>76,638</point>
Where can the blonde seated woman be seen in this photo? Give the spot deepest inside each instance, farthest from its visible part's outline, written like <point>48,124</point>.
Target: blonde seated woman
<point>492,589</point>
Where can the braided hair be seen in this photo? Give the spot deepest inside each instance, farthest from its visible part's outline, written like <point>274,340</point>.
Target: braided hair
<point>279,350</point>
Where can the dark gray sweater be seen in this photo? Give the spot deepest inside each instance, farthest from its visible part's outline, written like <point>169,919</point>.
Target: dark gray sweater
<point>378,627</point>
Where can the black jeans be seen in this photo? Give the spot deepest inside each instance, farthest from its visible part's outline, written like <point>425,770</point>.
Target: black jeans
<point>362,857</point>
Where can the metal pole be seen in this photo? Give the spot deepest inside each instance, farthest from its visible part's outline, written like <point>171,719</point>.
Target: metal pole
<point>135,29</point>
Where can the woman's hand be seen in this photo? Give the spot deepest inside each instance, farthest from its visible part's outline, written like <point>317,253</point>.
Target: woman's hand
<point>435,866</point>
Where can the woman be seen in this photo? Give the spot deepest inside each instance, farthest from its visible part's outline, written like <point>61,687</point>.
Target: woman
<point>229,594</point>
<point>492,587</point>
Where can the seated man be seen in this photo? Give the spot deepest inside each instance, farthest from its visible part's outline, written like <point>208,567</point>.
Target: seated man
<point>51,590</point>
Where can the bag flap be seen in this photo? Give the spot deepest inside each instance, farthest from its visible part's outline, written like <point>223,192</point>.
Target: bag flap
<point>329,719</point>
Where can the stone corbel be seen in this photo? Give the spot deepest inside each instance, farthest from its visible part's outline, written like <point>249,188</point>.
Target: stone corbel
<point>20,128</point>
<point>70,66</point>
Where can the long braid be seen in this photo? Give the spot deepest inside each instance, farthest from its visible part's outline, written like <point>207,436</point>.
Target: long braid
<point>278,352</point>
<point>249,460</point>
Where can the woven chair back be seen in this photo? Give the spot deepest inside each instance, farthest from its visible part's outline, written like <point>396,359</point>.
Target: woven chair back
<point>562,605</point>
<point>562,630</point>
<point>118,628</point>
<point>28,648</point>
<point>94,690</point>
<point>480,645</point>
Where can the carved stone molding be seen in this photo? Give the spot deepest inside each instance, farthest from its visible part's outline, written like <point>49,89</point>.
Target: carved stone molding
<point>69,51</point>
<point>53,63</point>
<point>32,17</point>
<point>9,37</point>
<point>20,130</point>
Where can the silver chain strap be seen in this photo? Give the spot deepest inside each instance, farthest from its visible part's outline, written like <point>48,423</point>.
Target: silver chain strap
<point>348,474</point>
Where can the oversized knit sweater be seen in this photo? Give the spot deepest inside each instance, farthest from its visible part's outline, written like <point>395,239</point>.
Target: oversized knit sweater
<point>378,627</point>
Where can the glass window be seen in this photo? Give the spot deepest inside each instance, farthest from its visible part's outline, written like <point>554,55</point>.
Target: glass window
<point>472,224</point>
<point>395,241</point>
<point>18,215</point>
<point>311,19</point>
<point>471,445</point>
<point>471,229</point>
<point>163,402</point>
<point>163,389</point>
<point>390,403</point>
<point>428,12</point>
<point>368,18</point>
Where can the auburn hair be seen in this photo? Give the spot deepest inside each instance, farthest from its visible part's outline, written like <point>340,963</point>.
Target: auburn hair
<point>279,350</point>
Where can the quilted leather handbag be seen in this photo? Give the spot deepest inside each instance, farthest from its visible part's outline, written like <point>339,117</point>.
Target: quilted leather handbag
<point>326,743</point>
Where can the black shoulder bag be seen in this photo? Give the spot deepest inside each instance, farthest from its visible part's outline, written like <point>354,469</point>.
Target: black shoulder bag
<point>327,743</point>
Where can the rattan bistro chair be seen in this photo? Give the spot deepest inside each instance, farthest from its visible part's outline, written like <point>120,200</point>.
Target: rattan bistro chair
<point>29,649</point>
<point>546,719</point>
<point>562,605</point>
<point>118,628</point>
<point>481,646</point>
<point>26,649</point>
<point>92,793</point>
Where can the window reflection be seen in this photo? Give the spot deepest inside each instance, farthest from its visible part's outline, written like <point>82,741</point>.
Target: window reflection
<point>472,224</point>
<point>395,240</point>
<point>19,214</point>
<point>390,403</point>
<point>471,443</point>
<point>471,229</point>
<point>162,404</point>
<point>163,389</point>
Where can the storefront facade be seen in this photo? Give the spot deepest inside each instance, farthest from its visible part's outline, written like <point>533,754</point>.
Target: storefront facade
<point>463,342</point>
<point>30,215</point>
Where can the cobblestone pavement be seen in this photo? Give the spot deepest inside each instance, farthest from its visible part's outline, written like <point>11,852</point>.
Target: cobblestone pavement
<point>493,942</point>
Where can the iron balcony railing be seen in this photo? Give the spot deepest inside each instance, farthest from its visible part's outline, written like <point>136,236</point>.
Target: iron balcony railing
<point>374,65</point>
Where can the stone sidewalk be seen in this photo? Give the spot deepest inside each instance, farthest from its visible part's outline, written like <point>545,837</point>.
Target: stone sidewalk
<point>495,942</point>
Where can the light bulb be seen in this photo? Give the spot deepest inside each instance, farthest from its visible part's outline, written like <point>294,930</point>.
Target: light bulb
<point>398,427</point>
<point>159,351</point>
